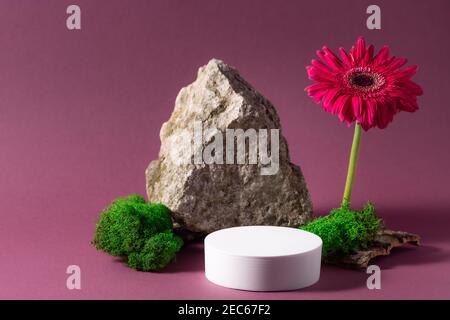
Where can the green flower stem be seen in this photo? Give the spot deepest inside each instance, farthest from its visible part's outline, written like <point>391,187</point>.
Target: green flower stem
<point>352,166</point>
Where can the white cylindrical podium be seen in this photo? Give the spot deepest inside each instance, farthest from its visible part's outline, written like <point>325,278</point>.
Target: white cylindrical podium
<point>263,258</point>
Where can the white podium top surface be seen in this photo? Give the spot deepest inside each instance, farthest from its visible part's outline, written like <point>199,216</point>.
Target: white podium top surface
<point>262,241</point>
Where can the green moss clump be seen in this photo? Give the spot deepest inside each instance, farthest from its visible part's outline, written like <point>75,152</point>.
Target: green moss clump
<point>158,251</point>
<point>127,227</point>
<point>344,230</point>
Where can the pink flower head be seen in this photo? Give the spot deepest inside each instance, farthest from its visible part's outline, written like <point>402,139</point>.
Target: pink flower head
<point>363,88</point>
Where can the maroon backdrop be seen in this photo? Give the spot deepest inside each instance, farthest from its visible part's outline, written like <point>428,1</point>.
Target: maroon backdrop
<point>80,113</point>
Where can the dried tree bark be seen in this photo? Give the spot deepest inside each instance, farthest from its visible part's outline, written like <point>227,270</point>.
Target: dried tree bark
<point>382,245</point>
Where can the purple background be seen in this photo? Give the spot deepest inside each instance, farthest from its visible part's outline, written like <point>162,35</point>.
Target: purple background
<point>80,113</point>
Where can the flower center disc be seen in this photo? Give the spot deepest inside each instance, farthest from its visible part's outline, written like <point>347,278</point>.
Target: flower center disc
<point>363,80</point>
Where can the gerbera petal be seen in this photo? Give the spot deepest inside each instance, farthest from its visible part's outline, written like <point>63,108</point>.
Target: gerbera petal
<point>402,94</point>
<point>381,56</point>
<point>391,105</point>
<point>413,88</point>
<point>332,59</point>
<point>338,104</point>
<point>368,56</point>
<point>352,53</point>
<point>357,105</point>
<point>321,54</point>
<point>384,66</point>
<point>347,60</point>
<point>371,105</point>
<point>405,73</point>
<point>407,105</point>
<point>321,66</point>
<point>318,90</point>
<point>369,53</point>
<point>383,115</point>
<point>398,63</point>
<point>363,119</point>
<point>317,75</point>
<point>360,48</point>
<point>330,98</point>
<point>346,111</point>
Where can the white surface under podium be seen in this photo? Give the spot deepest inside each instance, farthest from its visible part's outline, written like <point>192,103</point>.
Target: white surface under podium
<point>263,258</point>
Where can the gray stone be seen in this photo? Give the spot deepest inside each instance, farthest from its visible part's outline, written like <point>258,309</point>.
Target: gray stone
<point>209,197</point>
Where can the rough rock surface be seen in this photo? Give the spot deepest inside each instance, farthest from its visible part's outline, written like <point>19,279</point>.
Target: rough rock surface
<point>381,245</point>
<point>205,198</point>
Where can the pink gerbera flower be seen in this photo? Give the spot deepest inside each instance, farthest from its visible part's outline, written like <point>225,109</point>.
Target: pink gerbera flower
<point>363,88</point>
